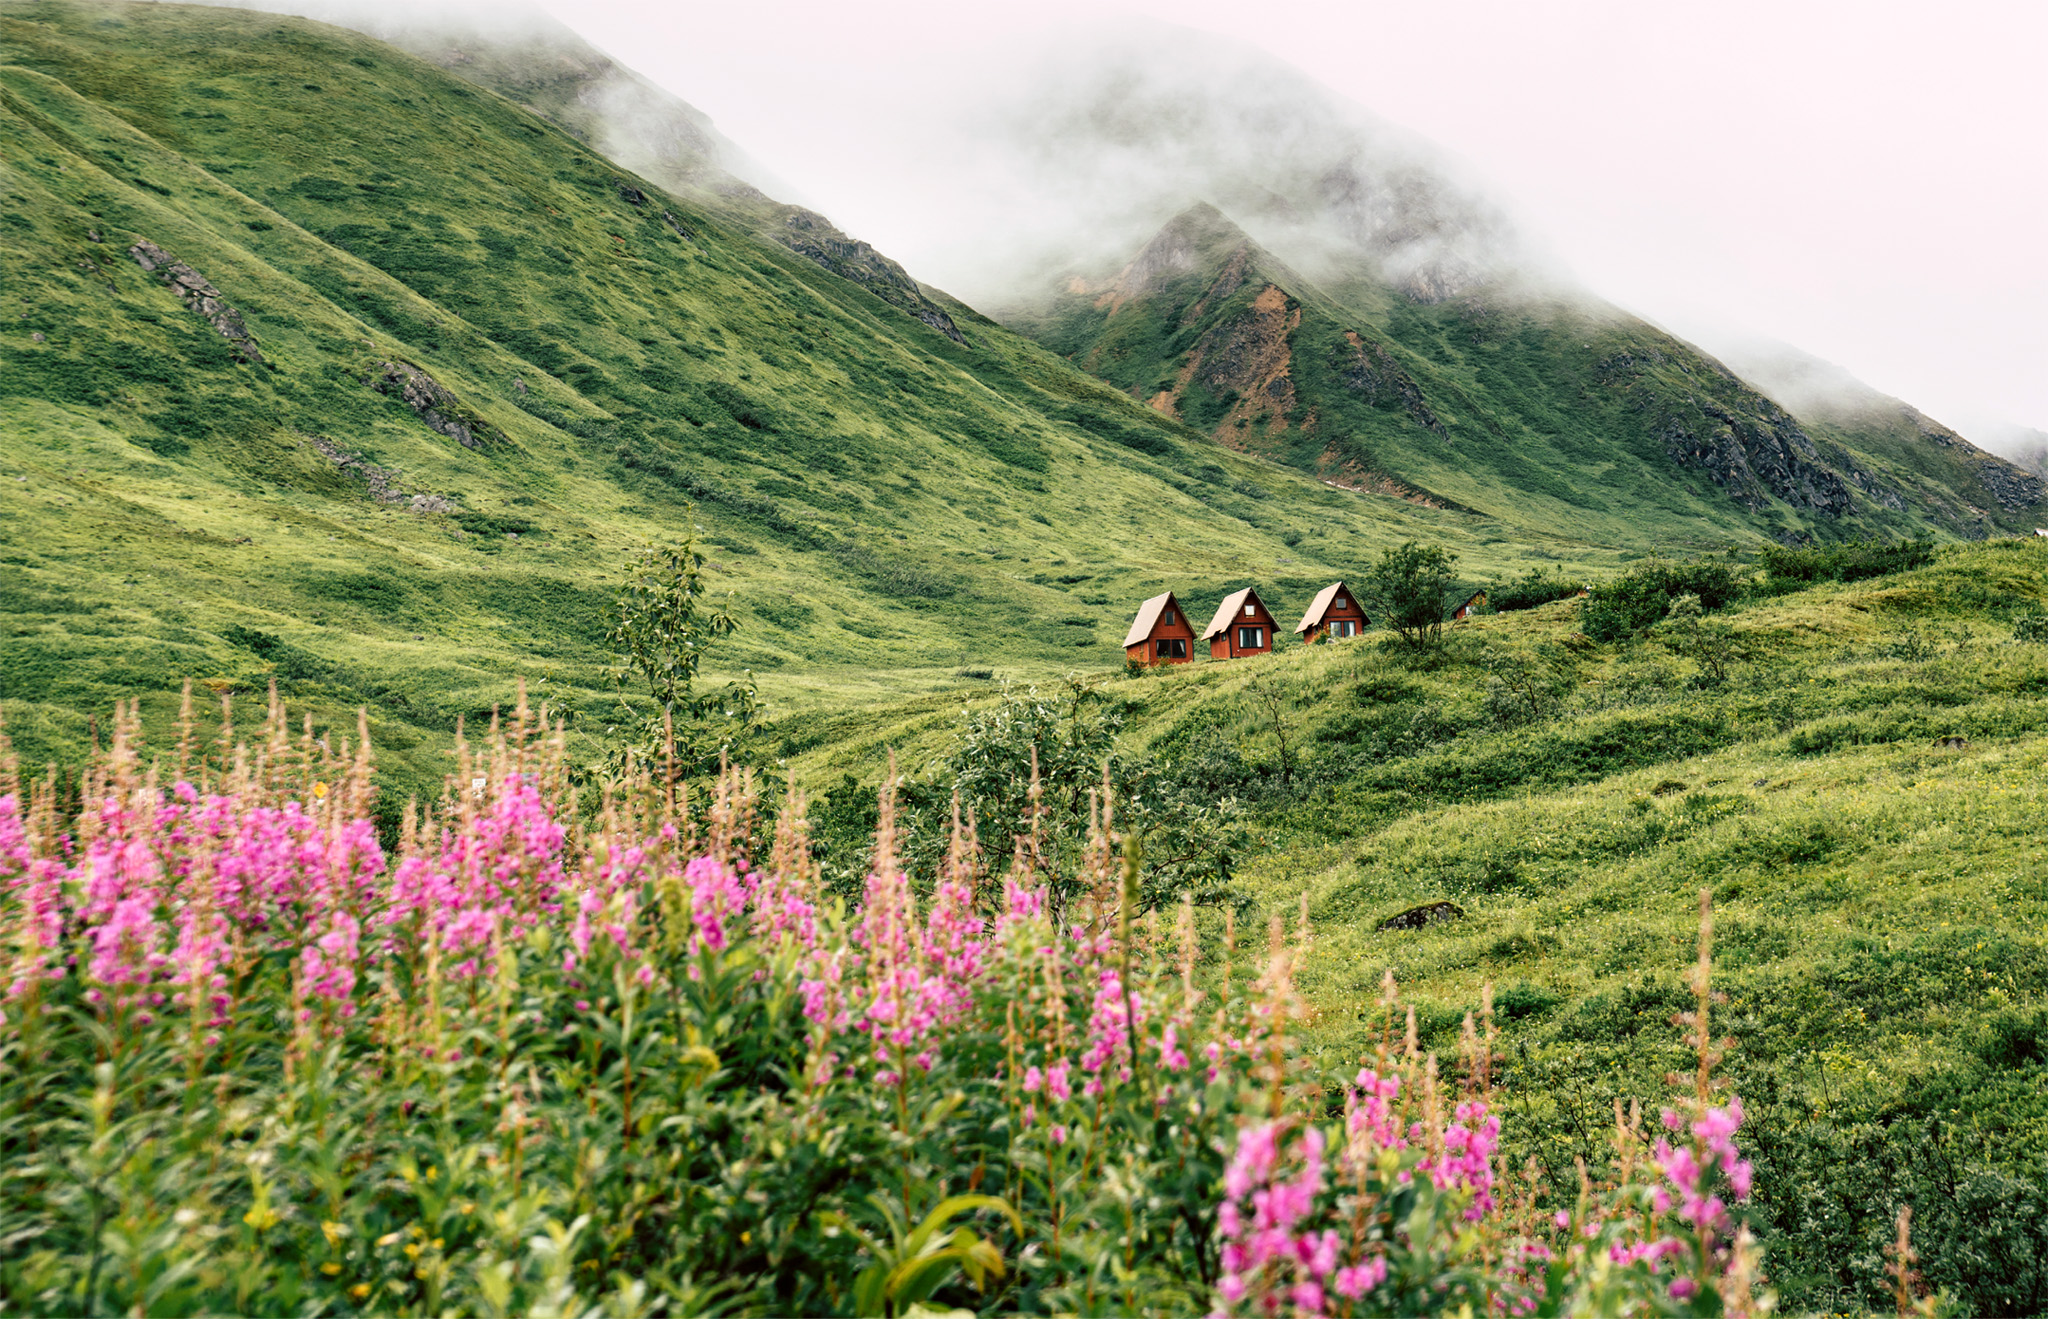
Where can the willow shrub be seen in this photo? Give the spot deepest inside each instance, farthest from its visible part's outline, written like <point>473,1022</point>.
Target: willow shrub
<point>617,1060</point>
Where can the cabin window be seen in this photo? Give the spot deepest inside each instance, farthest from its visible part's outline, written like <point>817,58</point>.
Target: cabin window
<point>1170,648</point>
<point>1251,638</point>
<point>1341,604</point>
<point>1251,611</point>
<point>1344,627</point>
<point>1166,617</point>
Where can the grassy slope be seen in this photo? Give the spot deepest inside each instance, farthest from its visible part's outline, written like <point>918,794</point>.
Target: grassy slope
<point>1555,410</point>
<point>1880,900</point>
<point>885,506</point>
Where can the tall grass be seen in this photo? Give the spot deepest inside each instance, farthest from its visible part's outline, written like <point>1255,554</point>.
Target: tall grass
<point>546,1055</point>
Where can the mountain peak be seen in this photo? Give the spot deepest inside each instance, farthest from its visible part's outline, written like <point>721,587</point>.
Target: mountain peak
<point>1186,244</point>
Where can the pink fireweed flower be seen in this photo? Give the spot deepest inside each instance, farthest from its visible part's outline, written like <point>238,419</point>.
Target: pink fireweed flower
<point>330,963</point>
<point>1171,1057</point>
<point>1467,1158</point>
<point>717,900</point>
<point>1356,1281</point>
<point>1371,1121</point>
<point>783,909</point>
<point>125,949</point>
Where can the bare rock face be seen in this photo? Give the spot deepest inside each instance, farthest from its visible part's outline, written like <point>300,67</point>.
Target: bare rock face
<point>1370,369</point>
<point>2012,486</point>
<point>1753,458</point>
<point>816,239</point>
<point>426,396</point>
<point>198,296</point>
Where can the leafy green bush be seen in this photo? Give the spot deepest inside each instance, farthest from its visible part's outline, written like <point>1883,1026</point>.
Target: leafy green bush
<point>1530,590</point>
<point>1635,602</point>
<point>1850,561</point>
<point>1410,589</point>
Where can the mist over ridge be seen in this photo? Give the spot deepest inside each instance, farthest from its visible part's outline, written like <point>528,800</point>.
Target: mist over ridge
<point>999,175</point>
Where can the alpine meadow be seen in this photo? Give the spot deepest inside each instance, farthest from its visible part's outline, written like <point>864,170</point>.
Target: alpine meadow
<point>573,739</point>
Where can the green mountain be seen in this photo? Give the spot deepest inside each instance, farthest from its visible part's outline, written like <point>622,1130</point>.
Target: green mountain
<point>323,365</point>
<point>531,59</point>
<point>1506,398</point>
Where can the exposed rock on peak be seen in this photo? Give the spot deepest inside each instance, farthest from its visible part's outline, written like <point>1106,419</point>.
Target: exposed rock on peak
<point>1178,250</point>
<point>815,238</point>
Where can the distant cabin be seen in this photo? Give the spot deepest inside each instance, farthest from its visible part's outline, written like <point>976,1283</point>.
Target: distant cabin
<point>1160,634</point>
<point>1241,627</point>
<point>1465,610</point>
<point>1335,613</point>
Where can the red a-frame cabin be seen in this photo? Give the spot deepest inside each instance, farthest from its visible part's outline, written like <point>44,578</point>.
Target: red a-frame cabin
<point>1160,634</point>
<point>1242,627</point>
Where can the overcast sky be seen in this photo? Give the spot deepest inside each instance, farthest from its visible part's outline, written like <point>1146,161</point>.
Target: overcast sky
<point>1868,180</point>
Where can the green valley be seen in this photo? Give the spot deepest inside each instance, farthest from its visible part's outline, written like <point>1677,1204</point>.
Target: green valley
<point>365,371</point>
<point>491,363</point>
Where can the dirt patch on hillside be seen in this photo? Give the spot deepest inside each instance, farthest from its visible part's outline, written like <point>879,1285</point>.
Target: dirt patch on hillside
<point>1335,469</point>
<point>1249,360</point>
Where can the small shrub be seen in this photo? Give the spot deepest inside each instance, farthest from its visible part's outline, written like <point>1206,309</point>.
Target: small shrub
<point>1851,561</point>
<point>1524,1000</point>
<point>1533,589</point>
<point>1636,602</point>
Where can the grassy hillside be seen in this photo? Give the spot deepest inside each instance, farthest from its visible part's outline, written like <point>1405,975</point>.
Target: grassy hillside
<point>489,364</point>
<point>1570,413</point>
<point>1880,898</point>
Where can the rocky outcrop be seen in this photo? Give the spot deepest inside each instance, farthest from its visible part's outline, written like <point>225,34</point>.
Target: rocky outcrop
<point>668,218</point>
<point>1756,459</point>
<point>434,404</point>
<point>198,296</point>
<point>1371,370</point>
<point>382,482</point>
<point>2011,486</point>
<point>1416,918</point>
<point>816,239</point>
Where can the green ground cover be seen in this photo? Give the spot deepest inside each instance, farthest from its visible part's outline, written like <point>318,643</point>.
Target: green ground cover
<point>1882,896</point>
<point>900,522</point>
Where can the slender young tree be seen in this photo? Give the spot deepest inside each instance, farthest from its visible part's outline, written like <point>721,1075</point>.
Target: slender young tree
<point>1410,588</point>
<point>662,624</point>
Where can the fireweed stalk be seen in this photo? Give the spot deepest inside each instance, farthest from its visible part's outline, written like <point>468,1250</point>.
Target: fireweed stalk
<point>547,1052</point>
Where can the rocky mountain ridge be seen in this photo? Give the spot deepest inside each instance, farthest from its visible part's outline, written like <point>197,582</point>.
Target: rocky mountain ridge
<point>1478,400</point>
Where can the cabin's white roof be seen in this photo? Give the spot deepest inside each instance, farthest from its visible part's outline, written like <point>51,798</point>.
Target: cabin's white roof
<point>1321,605</point>
<point>1147,619</point>
<point>1233,604</point>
